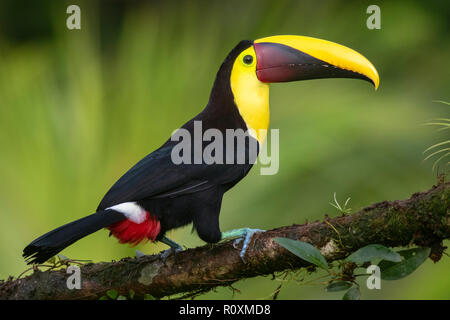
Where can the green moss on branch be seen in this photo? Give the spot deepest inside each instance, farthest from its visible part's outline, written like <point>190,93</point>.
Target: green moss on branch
<point>422,220</point>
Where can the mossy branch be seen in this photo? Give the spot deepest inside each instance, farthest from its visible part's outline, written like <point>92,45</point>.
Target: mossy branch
<point>422,220</point>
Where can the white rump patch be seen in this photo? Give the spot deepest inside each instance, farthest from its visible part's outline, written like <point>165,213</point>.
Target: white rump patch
<point>131,210</point>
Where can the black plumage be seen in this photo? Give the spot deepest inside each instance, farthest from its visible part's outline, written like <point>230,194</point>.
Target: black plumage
<point>176,194</point>
<point>157,194</point>
<point>184,193</point>
<point>49,244</point>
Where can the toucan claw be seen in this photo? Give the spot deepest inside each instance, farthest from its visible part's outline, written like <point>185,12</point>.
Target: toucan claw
<point>174,248</point>
<point>244,234</point>
<point>139,254</point>
<point>166,253</point>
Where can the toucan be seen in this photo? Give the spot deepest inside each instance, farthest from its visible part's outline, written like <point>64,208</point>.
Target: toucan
<point>157,194</point>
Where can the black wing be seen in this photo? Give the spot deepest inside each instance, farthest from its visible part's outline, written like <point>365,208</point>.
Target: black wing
<point>156,176</point>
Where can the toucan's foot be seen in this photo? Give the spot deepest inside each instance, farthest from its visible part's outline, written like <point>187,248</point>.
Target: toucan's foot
<point>242,234</point>
<point>166,253</point>
<point>174,248</point>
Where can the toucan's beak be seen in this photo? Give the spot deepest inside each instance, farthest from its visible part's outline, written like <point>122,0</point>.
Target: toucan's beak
<point>291,58</point>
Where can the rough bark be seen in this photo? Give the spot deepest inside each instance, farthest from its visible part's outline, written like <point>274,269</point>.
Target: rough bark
<point>422,220</point>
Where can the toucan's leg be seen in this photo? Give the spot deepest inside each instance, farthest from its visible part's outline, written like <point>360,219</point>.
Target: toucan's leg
<point>174,247</point>
<point>242,234</point>
<point>172,244</point>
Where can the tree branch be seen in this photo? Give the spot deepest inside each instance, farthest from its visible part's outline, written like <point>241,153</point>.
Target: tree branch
<point>423,220</point>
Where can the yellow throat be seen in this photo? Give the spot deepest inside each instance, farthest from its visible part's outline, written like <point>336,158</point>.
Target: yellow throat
<point>251,96</point>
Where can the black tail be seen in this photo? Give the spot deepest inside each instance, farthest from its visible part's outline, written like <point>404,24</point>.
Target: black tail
<point>48,245</point>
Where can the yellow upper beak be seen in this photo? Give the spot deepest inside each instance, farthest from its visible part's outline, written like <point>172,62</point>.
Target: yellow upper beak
<point>339,60</point>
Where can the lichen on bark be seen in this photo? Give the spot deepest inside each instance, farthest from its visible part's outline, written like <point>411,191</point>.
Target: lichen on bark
<point>421,220</point>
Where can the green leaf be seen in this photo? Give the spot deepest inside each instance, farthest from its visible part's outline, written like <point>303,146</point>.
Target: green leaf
<point>412,259</point>
<point>121,298</point>
<point>304,250</point>
<point>352,294</point>
<point>103,298</point>
<point>112,294</point>
<point>338,286</point>
<point>148,297</point>
<point>131,294</point>
<point>372,252</point>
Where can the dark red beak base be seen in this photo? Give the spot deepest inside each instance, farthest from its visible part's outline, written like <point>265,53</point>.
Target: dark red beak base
<point>280,63</point>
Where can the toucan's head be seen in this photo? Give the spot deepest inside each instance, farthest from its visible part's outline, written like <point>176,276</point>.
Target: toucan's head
<point>252,65</point>
<point>292,58</point>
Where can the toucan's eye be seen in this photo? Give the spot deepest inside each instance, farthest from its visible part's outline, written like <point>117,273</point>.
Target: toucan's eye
<point>248,59</point>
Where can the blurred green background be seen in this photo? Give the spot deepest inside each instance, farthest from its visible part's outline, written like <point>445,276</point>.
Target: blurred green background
<point>78,108</point>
